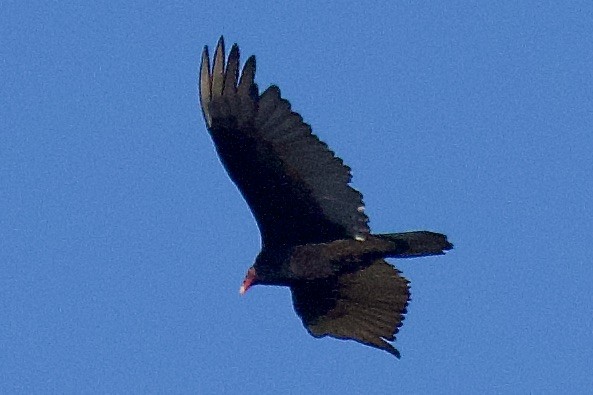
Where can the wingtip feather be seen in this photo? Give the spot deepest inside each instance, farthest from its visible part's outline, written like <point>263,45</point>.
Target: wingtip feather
<point>247,77</point>
<point>205,84</point>
<point>232,69</point>
<point>218,68</point>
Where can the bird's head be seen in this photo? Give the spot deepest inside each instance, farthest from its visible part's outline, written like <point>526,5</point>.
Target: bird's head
<point>250,279</point>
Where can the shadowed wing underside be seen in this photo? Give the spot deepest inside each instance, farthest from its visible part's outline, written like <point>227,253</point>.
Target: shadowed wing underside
<point>295,186</point>
<point>367,305</point>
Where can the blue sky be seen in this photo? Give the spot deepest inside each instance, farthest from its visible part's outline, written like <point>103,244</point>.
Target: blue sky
<point>123,242</point>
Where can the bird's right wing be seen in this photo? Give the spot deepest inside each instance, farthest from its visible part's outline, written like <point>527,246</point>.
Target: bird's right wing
<point>295,186</point>
<point>367,306</point>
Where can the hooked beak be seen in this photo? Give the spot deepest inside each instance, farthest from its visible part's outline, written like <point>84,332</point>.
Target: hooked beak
<point>248,282</point>
<point>245,286</point>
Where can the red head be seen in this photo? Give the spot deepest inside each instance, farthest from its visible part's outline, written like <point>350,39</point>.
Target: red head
<point>250,279</point>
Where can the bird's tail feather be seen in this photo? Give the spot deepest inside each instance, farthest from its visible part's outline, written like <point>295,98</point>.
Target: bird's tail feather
<point>414,244</point>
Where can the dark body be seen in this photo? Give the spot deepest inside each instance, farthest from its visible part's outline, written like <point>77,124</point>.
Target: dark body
<point>315,235</point>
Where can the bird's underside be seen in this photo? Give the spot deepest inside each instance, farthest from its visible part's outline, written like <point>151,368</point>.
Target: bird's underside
<point>315,235</point>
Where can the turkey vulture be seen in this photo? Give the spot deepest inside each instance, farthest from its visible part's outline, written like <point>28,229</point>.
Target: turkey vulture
<point>315,234</point>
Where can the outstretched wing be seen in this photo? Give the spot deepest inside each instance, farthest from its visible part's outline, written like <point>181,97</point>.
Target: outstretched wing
<point>367,306</point>
<point>295,186</point>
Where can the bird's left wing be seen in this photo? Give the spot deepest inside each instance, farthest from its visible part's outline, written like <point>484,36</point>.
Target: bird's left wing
<point>297,189</point>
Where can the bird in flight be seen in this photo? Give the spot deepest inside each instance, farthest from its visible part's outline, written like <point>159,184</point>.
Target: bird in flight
<point>314,232</point>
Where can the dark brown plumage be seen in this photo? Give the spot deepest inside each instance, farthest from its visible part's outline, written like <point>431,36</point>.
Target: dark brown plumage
<point>315,235</point>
